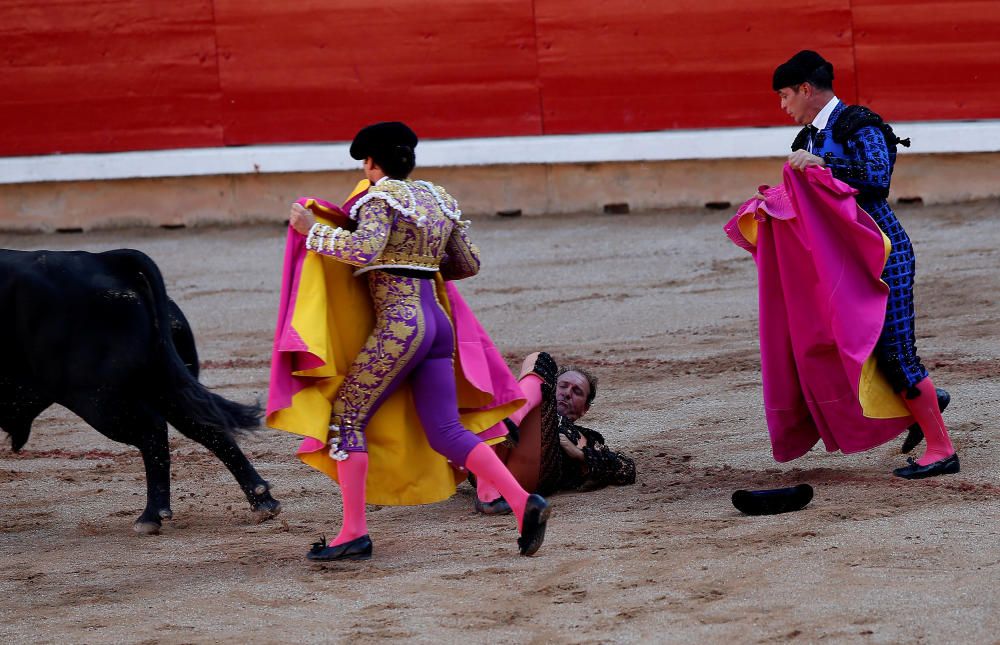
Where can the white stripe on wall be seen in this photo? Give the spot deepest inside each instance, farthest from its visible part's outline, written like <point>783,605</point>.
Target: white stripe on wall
<point>719,143</point>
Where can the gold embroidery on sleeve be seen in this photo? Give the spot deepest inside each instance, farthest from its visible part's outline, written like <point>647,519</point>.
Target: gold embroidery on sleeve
<point>362,246</point>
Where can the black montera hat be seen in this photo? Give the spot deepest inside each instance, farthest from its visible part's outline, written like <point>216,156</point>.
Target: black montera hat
<point>798,68</point>
<point>378,137</point>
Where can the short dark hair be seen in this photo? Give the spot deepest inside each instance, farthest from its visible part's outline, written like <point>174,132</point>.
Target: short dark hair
<point>390,144</point>
<point>591,380</point>
<point>397,162</point>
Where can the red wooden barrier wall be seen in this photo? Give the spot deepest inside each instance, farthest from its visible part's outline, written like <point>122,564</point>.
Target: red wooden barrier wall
<point>609,66</point>
<point>89,75</point>
<point>319,70</point>
<point>107,75</point>
<point>929,60</point>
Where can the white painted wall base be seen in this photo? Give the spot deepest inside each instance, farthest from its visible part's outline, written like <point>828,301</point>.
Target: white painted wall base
<point>940,137</point>
<point>483,190</point>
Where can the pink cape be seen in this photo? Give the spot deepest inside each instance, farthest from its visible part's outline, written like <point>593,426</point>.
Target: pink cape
<point>822,304</point>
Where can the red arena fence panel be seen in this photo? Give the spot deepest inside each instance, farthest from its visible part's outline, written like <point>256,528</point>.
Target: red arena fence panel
<point>94,76</point>
<point>923,61</point>
<point>609,67</point>
<point>114,75</point>
<point>318,71</point>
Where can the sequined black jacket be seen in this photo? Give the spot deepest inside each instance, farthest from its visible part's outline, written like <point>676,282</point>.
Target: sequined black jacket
<point>601,465</point>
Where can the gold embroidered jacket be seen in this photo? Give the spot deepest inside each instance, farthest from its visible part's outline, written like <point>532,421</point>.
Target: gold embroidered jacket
<point>402,224</point>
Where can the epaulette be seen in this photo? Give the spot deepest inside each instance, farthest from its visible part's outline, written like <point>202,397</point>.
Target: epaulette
<point>448,204</point>
<point>856,117</point>
<point>397,194</point>
<point>395,190</point>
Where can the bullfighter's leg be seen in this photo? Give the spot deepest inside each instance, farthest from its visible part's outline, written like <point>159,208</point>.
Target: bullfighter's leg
<point>897,357</point>
<point>534,457</point>
<point>940,457</point>
<point>390,353</point>
<point>434,395</point>
<point>395,345</point>
<point>121,418</point>
<point>222,445</point>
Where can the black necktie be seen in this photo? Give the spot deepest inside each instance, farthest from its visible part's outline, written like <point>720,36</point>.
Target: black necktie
<point>812,130</point>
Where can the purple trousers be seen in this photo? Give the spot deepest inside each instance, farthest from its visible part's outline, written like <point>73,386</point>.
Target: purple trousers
<point>413,342</point>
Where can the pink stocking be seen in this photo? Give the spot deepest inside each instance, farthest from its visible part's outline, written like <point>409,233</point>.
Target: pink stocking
<point>352,472</point>
<point>924,409</point>
<point>488,468</point>
<point>485,491</point>
<point>531,387</point>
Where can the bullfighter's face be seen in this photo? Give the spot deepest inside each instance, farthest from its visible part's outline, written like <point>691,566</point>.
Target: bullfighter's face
<point>795,102</point>
<point>572,390</point>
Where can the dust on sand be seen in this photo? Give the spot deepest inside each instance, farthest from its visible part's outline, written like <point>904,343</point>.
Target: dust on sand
<point>663,308</point>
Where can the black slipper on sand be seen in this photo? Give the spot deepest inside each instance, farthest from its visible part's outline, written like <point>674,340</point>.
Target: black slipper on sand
<point>773,501</point>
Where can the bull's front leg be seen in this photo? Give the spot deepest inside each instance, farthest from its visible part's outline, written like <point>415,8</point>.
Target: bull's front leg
<point>117,415</point>
<point>20,403</point>
<point>156,457</point>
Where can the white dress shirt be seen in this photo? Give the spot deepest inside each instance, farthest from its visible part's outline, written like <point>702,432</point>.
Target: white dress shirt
<point>823,117</point>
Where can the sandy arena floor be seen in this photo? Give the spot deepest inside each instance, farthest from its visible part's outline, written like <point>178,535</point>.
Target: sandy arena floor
<point>663,308</point>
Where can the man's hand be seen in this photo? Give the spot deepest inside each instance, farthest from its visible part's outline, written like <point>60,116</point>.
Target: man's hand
<point>571,449</point>
<point>301,219</point>
<point>800,160</point>
<point>759,195</point>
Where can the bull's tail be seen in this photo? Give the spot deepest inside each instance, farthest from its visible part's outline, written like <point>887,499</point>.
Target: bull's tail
<point>183,393</point>
<point>205,408</point>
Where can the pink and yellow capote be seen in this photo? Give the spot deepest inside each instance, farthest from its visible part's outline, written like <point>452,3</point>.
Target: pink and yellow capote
<point>822,303</point>
<point>325,315</point>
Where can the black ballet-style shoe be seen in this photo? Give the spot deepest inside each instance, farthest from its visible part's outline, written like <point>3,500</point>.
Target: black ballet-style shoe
<point>916,434</point>
<point>773,501</point>
<point>357,549</point>
<point>499,506</point>
<point>536,515</point>
<point>946,466</point>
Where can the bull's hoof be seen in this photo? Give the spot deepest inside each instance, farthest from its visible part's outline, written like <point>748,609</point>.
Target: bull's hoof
<point>146,527</point>
<point>263,511</point>
<point>166,514</point>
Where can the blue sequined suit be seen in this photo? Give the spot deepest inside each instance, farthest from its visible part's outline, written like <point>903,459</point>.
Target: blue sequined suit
<point>864,160</point>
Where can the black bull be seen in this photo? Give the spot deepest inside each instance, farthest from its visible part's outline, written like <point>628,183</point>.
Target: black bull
<point>96,333</point>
